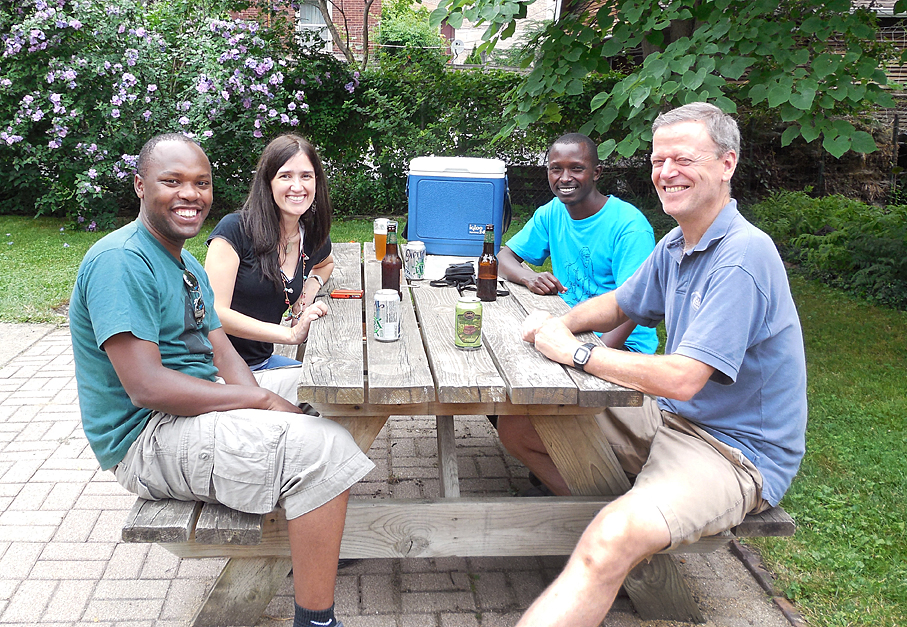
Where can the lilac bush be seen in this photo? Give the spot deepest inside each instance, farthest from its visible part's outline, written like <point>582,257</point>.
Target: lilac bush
<point>85,82</point>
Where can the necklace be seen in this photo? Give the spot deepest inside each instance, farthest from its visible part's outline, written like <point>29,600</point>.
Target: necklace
<point>287,290</point>
<point>289,244</point>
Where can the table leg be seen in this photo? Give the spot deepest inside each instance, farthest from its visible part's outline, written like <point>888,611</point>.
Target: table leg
<point>242,592</point>
<point>447,458</point>
<point>363,429</point>
<point>584,457</point>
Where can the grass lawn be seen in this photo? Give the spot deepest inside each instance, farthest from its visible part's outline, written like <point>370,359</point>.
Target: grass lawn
<point>846,566</point>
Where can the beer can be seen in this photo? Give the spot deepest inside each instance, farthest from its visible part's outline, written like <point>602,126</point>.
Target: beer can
<point>388,316</point>
<point>468,323</point>
<point>414,260</point>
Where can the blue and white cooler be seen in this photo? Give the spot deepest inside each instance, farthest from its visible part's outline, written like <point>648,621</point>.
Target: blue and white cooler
<point>451,199</point>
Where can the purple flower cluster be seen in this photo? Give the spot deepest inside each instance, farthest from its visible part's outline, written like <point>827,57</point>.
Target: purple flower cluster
<point>89,95</point>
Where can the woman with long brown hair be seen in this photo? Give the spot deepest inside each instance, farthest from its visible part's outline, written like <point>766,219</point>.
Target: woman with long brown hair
<point>269,260</point>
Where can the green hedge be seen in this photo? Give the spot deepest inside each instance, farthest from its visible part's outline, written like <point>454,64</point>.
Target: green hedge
<point>85,83</point>
<point>848,244</point>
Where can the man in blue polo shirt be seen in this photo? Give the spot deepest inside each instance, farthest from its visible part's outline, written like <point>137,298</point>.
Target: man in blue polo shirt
<point>725,432</point>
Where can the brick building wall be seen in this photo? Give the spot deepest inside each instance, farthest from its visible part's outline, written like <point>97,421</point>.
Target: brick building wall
<point>346,14</point>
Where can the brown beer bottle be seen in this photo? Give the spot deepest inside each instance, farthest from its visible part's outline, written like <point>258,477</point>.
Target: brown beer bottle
<point>391,265</point>
<point>487,285</point>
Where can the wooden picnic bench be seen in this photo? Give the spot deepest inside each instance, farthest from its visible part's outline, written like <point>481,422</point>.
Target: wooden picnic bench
<point>360,383</point>
<point>259,551</point>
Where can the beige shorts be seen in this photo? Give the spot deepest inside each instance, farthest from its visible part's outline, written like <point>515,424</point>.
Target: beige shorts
<point>282,381</point>
<point>699,484</point>
<point>248,459</point>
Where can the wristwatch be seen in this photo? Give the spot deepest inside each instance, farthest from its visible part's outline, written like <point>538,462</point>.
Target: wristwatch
<point>582,355</point>
<point>317,278</point>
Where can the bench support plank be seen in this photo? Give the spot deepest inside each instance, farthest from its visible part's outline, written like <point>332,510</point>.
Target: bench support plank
<point>243,591</point>
<point>447,457</point>
<point>443,528</point>
<point>659,592</point>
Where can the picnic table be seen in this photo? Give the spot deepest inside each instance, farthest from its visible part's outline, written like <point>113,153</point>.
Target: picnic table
<point>351,378</point>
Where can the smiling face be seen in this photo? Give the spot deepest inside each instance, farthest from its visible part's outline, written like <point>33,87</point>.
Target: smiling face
<point>572,173</point>
<point>692,180</point>
<point>293,187</point>
<point>175,193</point>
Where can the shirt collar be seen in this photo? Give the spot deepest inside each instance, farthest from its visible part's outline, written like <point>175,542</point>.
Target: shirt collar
<point>717,230</point>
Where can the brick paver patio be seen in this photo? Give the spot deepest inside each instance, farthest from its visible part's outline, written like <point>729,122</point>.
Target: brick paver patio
<point>61,562</point>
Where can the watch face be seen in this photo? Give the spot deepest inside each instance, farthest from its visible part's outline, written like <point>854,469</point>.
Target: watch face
<point>581,356</point>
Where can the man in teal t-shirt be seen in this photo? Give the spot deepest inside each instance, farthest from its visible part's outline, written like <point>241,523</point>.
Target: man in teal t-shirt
<point>170,407</point>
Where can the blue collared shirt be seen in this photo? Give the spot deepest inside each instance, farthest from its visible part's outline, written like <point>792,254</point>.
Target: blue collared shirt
<point>727,303</point>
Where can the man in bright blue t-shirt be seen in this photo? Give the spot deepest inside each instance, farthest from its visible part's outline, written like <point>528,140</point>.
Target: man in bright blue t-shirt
<point>595,243</point>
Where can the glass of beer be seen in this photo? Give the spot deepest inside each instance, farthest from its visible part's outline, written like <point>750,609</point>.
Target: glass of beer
<point>380,237</point>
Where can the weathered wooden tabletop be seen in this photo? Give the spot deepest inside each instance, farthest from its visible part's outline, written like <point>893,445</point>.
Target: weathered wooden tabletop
<point>424,368</point>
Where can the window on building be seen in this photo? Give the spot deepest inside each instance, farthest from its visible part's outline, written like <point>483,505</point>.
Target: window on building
<point>311,25</point>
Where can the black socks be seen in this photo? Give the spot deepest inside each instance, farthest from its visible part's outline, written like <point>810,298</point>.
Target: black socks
<point>315,618</point>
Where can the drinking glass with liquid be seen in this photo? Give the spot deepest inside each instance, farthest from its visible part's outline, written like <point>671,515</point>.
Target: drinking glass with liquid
<point>380,231</point>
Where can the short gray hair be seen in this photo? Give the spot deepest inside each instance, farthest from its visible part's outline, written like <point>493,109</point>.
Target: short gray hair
<point>721,127</point>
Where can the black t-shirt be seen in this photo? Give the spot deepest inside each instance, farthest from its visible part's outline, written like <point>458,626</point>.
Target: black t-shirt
<point>253,294</point>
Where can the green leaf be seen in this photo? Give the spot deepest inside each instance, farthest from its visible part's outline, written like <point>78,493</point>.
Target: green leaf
<point>778,94</point>
<point>725,104</point>
<point>612,47</point>
<point>812,25</point>
<point>843,127</point>
<point>604,17</point>
<point>692,80</point>
<point>638,96</point>
<point>825,64</point>
<point>627,147</point>
<point>836,146</point>
<point>436,17</point>
<point>656,65</point>
<point>574,87</point>
<point>790,113</point>
<point>810,132</point>
<point>599,100</point>
<point>789,135</point>
<point>734,67</point>
<point>758,93</point>
<point>800,56</point>
<point>861,141</point>
<point>669,88</point>
<point>803,100</point>
<point>573,54</point>
<point>682,64</point>
<point>509,31</point>
<point>606,148</point>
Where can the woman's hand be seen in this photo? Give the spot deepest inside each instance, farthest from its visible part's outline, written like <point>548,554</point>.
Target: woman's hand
<point>299,327</point>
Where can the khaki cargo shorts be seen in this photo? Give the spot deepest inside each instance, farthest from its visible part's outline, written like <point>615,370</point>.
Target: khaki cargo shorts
<point>248,459</point>
<point>699,484</point>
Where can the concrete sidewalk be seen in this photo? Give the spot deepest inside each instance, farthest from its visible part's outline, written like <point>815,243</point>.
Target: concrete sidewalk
<point>61,562</point>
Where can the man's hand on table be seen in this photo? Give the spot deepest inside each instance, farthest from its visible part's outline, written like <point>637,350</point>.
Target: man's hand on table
<point>543,283</point>
<point>551,336</point>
